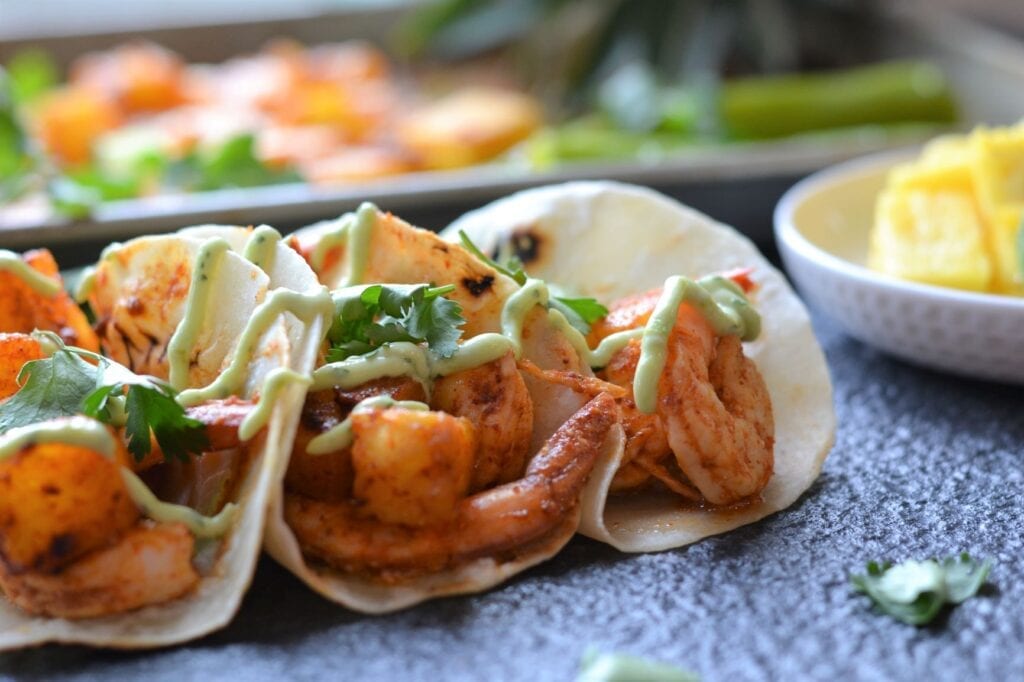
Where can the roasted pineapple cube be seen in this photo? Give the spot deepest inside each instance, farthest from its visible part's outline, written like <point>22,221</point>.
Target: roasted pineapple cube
<point>939,175</point>
<point>930,237</point>
<point>1004,234</point>
<point>998,166</point>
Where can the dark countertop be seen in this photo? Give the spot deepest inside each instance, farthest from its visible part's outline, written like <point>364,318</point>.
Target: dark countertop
<point>923,465</point>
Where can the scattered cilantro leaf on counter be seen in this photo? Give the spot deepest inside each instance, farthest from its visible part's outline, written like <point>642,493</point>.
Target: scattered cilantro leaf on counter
<point>598,667</point>
<point>580,312</point>
<point>914,592</point>
<point>382,314</point>
<point>65,384</point>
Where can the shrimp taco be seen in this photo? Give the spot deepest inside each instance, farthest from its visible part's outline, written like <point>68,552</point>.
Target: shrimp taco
<point>433,457</point>
<point>136,459</point>
<point>726,404</point>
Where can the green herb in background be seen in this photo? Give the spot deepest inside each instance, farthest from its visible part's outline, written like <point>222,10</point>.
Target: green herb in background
<point>916,591</point>
<point>16,160</point>
<point>598,667</point>
<point>32,73</point>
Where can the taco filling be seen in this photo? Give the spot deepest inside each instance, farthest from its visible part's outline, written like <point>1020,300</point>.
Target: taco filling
<point>429,459</point>
<point>133,470</point>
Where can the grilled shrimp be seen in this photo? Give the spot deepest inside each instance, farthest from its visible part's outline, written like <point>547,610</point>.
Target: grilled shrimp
<point>150,564</point>
<point>494,398</point>
<point>22,309</point>
<point>491,522</point>
<point>712,436</point>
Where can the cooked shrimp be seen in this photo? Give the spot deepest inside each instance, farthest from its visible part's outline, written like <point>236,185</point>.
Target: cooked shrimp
<point>149,564</point>
<point>22,309</point>
<point>494,398</point>
<point>15,351</point>
<point>718,416</point>
<point>713,413</point>
<point>488,523</point>
<point>409,467</point>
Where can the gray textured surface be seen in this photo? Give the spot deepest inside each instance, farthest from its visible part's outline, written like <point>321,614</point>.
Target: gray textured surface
<point>923,465</point>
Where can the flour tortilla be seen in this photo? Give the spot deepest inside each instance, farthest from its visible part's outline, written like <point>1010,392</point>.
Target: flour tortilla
<point>400,253</point>
<point>609,240</point>
<point>289,343</point>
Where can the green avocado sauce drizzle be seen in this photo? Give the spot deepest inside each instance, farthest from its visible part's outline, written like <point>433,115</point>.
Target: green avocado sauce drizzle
<point>37,281</point>
<point>277,381</point>
<point>179,350</point>
<point>261,247</point>
<point>341,437</point>
<point>718,299</point>
<point>354,230</point>
<point>306,307</point>
<point>87,280</point>
<point>90,434</point>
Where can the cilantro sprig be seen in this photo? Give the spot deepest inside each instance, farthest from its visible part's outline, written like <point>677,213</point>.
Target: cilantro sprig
<point>581,313</point>
<point>66,384</point>
<point>388,313</point>
<point>914,592</point>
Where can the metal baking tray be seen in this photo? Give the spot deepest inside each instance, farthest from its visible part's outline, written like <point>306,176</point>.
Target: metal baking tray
<point>738,184</point>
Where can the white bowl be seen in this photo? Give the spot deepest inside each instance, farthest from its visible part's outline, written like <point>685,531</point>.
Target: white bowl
<point>821,226</point>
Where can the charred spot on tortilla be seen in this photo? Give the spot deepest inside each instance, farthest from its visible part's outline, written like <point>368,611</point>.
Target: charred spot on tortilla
<point>524,244</point>
<point>479,286</point>
<point>61,546</point>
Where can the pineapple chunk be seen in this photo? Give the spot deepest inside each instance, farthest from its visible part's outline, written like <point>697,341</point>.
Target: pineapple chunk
<point>930,237</point>
<point>947,150</point>
<point>998,167</point>
<point>938,174</point>
<point>1004,232</point>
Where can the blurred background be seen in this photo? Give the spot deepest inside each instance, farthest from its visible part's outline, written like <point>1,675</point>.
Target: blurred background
<point>123,118</point>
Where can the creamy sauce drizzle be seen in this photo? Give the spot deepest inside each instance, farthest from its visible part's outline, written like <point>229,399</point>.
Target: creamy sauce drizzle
<point>261,248</point>
<point>37,281</point>
<point>306,307</point>
<point>88,433</point>
<point>341,437</point>
<point>277,381</point>
<point>201,526</point>
<point>179,350</point>
<point>354,230</point>
<point>87,280</point>
<point>719,300</point>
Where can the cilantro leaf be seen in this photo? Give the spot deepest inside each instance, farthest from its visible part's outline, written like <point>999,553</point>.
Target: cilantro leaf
<point>154,409</point>
<point>580,312</point>
<point>614,667</point>
<point>65,384</point>
<point>513,266</point>
<point>51,387</point>
<point>382,314</point>
<point>914,592</point>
